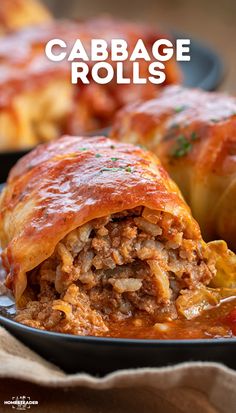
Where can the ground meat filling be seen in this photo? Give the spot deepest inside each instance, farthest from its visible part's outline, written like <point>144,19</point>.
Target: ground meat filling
<point>120,266</point>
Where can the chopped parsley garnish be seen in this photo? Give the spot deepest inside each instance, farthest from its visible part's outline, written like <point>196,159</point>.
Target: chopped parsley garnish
<point>82,149</point>
<point>182,148</point>
<point>179,109</point>
<point>114,159</point>
<point>98,155</point>
<point>184,145</point>
<point>121,168</point>
<point>193,136</point>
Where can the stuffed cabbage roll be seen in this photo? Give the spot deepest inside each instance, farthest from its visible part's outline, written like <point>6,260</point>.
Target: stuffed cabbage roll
<point>95,232</point>
<point>194,134</point>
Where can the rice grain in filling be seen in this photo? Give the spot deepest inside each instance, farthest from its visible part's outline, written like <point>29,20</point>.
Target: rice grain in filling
<point>137,264</point>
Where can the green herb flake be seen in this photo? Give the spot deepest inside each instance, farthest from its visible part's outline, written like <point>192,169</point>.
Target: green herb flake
<point>121,168</point>
<point>182,148</point>
<point>112,147</point>
<point>98,155</point>
<point>193,136</point>
<point>114,159</point>
<point>179,109</point>
<point>82,149</point>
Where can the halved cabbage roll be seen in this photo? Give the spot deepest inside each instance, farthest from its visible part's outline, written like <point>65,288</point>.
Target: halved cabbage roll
<point>95,232</point>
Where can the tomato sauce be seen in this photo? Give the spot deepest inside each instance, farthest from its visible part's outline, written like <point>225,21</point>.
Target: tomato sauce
<point>218,322</point>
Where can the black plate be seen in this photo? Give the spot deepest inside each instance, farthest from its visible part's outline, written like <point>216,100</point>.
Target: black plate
<point>103,355</point>
<point>205,70</point>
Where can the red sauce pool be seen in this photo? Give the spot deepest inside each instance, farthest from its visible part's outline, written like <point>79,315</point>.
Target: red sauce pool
<point>218,322</point>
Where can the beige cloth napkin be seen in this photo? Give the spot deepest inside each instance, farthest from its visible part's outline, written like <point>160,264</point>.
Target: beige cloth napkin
<point>184,388</point>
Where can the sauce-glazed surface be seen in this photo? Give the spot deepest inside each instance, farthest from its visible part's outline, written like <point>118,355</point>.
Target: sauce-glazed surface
<point>179,111</point>
<point>193,133</point>
<point>51,192</point>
